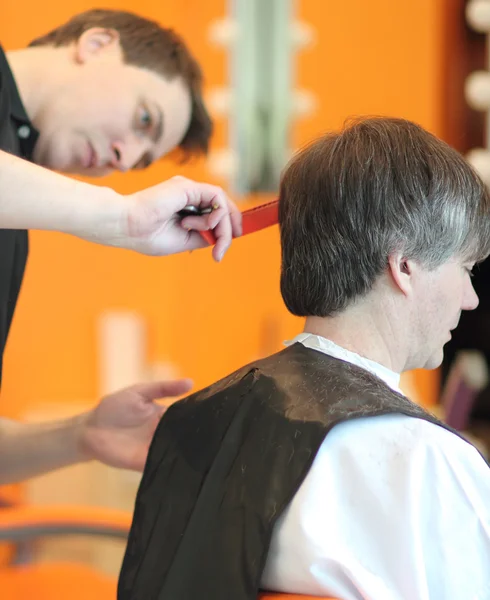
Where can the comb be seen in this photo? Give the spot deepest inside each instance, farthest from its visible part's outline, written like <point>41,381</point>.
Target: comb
<point>253,219</point>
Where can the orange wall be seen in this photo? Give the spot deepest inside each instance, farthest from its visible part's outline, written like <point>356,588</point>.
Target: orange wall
<point>380,57</point>
<point>377,57</point>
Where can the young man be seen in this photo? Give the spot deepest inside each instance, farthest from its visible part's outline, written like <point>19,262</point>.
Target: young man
<point>107,90</point>
<point>308,471</point>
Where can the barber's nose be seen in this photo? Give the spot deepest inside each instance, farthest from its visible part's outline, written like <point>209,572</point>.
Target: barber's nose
<point>125,155</point>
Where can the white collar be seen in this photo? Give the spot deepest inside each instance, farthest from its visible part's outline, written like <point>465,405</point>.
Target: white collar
<point>316,342</point>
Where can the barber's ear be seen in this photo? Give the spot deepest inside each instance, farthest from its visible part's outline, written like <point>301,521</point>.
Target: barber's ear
<point>94,41</point>
<point>401,270</point>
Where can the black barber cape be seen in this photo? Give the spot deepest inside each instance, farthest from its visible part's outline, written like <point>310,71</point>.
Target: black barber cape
<point>225,462</point>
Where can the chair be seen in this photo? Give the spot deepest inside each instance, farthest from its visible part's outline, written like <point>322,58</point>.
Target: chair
<point>467,378</point>
<point>22,580</point>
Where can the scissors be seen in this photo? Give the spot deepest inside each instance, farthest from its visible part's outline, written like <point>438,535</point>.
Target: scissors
<point>194,211</point>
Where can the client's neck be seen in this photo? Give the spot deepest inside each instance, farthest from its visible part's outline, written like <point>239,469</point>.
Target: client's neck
<point>367,333</point>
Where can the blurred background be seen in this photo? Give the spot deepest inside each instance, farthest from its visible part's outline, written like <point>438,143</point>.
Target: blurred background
<point>277,73</point>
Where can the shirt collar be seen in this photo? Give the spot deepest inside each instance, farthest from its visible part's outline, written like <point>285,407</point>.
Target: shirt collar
<point>17,106</point>
<point>18,111</point>
<point>316,342</point>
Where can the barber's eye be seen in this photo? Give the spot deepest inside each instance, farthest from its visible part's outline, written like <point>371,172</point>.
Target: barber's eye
<point>144,118</point>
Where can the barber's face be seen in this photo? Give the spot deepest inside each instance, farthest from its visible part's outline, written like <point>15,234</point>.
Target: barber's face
<point>104,115</point>
<point>444,293</point>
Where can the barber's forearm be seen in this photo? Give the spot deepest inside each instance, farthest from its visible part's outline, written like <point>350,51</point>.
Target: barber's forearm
<point>32,197</point>
<point>27,450</point>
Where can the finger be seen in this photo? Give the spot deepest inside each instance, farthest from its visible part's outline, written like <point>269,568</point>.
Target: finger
<point>220,223</point>
<point>195,223</point>
<point>205,195</point>
<point>206,222</point>
<point>179,192</point>
<point>163,389</point>
<point>225,220</point>
<point>236,219</point>
<point>222,232</point>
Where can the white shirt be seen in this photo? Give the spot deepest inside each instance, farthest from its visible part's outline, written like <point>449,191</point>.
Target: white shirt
<point>393,508</point>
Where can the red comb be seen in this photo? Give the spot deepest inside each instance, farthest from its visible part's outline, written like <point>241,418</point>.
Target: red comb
<point>253,219</point>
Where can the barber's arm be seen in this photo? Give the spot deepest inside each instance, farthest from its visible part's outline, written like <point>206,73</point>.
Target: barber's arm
<point>117,432</point>
<point>32,197</point>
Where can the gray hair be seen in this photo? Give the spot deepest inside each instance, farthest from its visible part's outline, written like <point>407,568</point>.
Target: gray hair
<point>351,199</point>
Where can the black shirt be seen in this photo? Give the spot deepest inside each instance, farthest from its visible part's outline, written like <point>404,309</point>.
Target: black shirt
<point>17,136</point>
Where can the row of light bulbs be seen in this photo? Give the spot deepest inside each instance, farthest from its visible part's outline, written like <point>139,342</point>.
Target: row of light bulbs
<point>225,33</point>
<point>477,86</point>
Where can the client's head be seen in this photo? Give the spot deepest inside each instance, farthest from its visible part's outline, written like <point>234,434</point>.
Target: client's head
<point>385,222</point>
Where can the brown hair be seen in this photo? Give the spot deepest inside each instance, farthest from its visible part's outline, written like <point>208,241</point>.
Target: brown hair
<point>351,199</point>
<point>147,45</point>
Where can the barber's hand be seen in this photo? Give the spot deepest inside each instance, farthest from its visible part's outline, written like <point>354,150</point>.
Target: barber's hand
<point>154,227</point>
<point>118,431</point>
